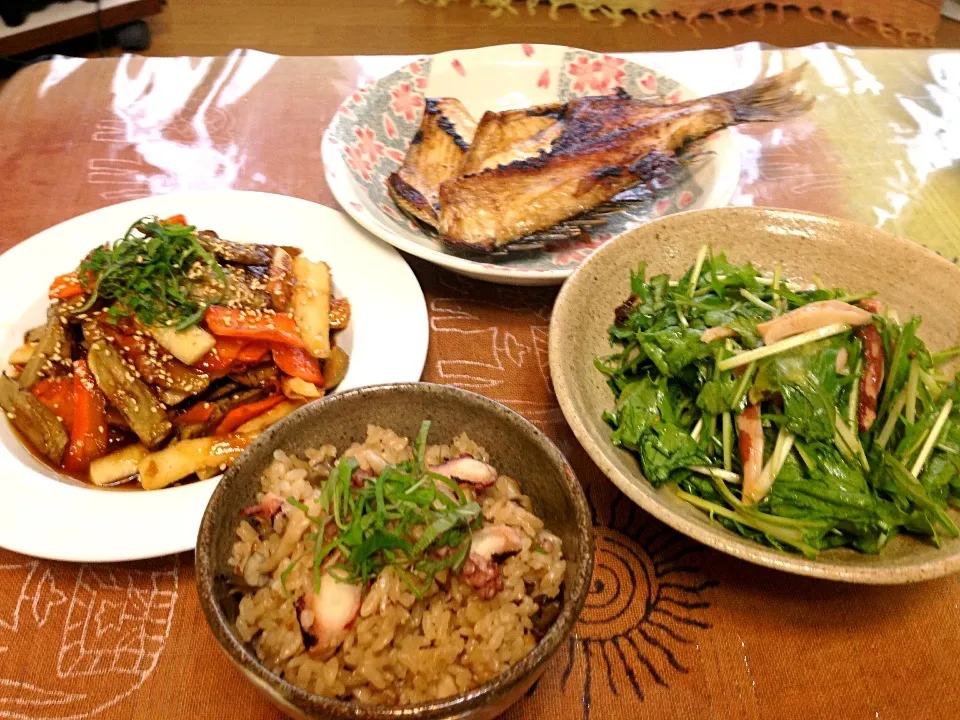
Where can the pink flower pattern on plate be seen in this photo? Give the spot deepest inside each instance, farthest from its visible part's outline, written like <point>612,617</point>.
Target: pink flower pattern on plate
<point>405,101</point>
<point>374,125</point>
<point>364,155</point>
<point>599,76</point>
<point>389,127</point>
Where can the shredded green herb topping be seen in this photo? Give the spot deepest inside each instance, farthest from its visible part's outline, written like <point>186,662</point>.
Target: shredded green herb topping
<point>416,521</point>
<point>678,399</point>
<point>150,273</point>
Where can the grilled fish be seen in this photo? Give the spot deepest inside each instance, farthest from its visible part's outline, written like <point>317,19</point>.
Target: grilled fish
<point>606,145</point>
<point>436,154</point>
<point>503,137</point>
<point>490,187</point>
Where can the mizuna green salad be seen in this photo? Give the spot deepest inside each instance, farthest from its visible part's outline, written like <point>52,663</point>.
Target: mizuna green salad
<point>804,418</point>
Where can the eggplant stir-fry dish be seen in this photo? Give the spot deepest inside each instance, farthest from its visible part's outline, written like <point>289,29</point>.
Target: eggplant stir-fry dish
<point>801,417</point>
<point>166,352</point>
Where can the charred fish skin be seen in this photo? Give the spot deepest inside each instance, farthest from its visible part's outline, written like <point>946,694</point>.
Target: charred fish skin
<point>598,155</point>
<point>435,154</point>
<point>508,135</point>
<point>410,200</point>
<point>435,107</point>
<point>492,210</point>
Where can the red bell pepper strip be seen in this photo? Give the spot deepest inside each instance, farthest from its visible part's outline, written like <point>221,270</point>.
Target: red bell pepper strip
<point>222,356</point>
<point>179,219</point>
<point>199,413</point>
<point>297,362</point>
<point>65,286</point>
<point>239,415</point>
<point>253,325</point>
<point>252,353</point>
<point>58,396</point>
<point>230,352</point>
<point>88,438</point>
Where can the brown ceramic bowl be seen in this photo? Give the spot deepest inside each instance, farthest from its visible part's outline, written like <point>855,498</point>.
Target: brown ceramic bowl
<point>908,277</point>
<point>516,447</point>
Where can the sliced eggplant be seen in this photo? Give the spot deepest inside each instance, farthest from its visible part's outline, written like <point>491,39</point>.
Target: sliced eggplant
<point>34,420</point>
<point>257,377</point>
<point>155,365</point>
<point>34,334</point>
<point>52,351</point>
<point>130,395</point>
<point>335,367</point>
<point>224,388</point>
<point>246,287</point>
<point>241,253</point>
<point>172,396</point>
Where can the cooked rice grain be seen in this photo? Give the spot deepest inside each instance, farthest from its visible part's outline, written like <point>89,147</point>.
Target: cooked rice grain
<point>400,650</point>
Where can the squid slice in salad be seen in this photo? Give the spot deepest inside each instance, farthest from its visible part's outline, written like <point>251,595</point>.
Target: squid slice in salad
<point>801,417</point>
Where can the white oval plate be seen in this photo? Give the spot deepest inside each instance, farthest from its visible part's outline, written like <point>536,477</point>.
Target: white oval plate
<point>371,130</point>
<point>49,515</point>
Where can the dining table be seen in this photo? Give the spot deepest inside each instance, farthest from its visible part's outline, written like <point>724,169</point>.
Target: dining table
<point>670,629</point>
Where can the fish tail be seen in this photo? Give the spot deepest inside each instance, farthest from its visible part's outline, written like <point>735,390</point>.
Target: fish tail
<point>770,99</point>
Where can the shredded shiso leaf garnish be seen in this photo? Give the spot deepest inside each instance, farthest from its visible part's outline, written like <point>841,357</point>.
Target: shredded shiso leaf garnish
<point>149,274</point>
<point>400,519</point>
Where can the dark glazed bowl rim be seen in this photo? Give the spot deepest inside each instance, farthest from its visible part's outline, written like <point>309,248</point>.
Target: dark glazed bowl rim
<point>574,595</point>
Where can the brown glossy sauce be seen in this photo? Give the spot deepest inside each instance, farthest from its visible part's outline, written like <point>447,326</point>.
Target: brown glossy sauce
<point>116,440</point>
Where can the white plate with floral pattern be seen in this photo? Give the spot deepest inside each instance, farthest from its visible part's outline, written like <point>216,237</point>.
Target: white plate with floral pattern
<point>369,134</point>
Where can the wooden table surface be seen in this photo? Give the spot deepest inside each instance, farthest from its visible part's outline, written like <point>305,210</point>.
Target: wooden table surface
<point>673,630</point>
<point>379,27</point>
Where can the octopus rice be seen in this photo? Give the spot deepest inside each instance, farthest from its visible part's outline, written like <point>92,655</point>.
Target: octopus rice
<point>403,635</point>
